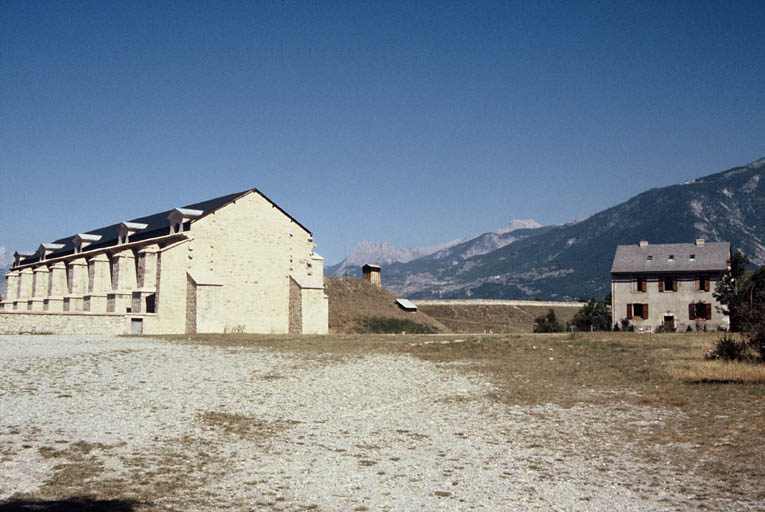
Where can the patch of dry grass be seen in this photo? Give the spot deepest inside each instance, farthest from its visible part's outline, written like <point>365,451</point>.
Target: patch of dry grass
<point>243,426</point>
<point>719,372</point>
<point>718,426</point>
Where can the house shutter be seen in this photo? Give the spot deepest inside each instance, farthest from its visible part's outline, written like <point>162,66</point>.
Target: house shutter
<point>661,284</point>
<point>644,284</point>
<point>692,311</point>
<point>706,285</point>
<point>674,284</point>
<point>698,283</point>
<point>645,311</point>
<point>629,311</point>
<point>709,311</point>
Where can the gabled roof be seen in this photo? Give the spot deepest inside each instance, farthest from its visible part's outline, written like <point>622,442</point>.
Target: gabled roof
<point>157,224</point>
<point>711,256</point>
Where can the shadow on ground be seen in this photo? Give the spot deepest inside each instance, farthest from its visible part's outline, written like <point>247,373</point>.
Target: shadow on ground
<point>74,504</point>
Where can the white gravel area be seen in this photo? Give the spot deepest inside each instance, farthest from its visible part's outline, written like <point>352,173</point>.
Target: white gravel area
<point>251,428</point>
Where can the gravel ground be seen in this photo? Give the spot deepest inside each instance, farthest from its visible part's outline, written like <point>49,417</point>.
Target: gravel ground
<point>197,427</point>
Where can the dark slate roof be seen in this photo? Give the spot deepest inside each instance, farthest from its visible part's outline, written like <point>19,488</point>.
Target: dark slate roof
<point>158,224</point>
<point>712,256</point>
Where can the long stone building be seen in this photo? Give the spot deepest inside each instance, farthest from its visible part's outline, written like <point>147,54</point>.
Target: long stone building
<point>236,263</point>
<point>669,284</point>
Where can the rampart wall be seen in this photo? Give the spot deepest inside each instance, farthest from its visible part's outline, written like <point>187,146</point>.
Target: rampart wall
<point>73,323</point>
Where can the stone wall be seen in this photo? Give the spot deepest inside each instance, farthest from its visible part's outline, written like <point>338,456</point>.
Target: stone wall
<point>296,308</point>
<point>495,302</point>
<point>72,323</point>
<point>171,288</point>
<point>252,247</point>
<point>315,311</point>
<point>203,305</point>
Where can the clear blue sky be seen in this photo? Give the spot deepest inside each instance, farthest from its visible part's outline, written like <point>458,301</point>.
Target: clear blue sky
<point>409,122</point>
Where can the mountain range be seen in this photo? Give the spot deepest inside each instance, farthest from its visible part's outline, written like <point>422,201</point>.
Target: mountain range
<point>572,261</point>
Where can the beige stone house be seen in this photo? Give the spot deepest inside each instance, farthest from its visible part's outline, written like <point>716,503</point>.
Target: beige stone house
<point>669,284</point>
<point>236,263</point>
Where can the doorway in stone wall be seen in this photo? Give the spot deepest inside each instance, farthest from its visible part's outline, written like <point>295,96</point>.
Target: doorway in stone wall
<point>669,321</point>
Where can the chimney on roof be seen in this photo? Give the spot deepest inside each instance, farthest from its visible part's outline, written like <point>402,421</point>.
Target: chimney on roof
<point>644,243</point>
<point>700,242</point>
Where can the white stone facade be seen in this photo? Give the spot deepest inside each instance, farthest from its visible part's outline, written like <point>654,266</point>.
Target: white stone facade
<point>242,265</point>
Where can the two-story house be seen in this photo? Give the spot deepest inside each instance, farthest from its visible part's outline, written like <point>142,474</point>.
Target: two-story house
<point>669,284</point>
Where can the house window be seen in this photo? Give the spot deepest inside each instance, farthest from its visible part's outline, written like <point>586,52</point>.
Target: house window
<point>692,257</point>
<point>649,258</point>
<point>667,284</point>
<point>700,311</point>
<point>671,257</point>
<point>637,311</point>
<point>702,284</point>
<point>640,284</point>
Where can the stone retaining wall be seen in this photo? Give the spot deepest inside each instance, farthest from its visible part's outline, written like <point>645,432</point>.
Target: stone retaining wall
<point>494,302</point>
<point>72,323</point>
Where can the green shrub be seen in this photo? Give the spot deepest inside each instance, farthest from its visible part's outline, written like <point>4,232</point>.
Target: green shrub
<point>547,323</point>
<point>755,335</point>
<point>390,325</point>
<point>729,348</point>
<point>594,316</point>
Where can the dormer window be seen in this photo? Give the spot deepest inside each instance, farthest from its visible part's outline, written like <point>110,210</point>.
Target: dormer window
<point>671,257</point>
<point>692,257</point>
<point>82,240</point>
<point>179,216</point>
<point>46,249</point>
<point>649,258</point>
<point>19,256</point>
<point>126,229</point>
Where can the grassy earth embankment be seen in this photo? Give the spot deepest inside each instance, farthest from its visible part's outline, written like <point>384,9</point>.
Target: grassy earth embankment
<point>494,318</point>
<point>354,303</point>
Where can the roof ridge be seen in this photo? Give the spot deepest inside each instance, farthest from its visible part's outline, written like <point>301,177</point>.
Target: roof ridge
<point>155,222</point>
